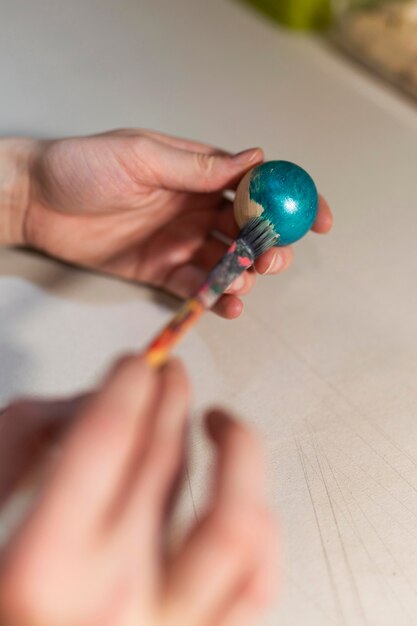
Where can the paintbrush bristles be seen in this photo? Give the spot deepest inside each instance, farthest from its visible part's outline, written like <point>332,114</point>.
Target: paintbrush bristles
<point>259,235</point>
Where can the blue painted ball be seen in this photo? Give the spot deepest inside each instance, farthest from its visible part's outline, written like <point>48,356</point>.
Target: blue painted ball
<point>282,193</point>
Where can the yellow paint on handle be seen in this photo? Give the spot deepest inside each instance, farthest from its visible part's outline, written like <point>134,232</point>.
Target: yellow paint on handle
<point>159,350</point>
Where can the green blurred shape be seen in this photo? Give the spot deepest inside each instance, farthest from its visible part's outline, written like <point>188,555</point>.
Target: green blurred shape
<point>299,14</point>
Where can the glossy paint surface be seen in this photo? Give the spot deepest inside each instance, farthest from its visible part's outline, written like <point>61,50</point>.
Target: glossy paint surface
<point>282,192</point>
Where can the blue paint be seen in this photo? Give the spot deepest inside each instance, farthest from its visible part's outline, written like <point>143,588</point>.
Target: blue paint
<point>288,197</point>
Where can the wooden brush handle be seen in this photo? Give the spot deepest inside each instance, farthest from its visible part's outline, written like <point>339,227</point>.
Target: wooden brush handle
<point>237,259</point>
<point>158,351</point>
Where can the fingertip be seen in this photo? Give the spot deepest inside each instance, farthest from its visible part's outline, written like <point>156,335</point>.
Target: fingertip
<point>175,364</point>
<point>248,158</point>
<point>214,172</point>
<point>269,262</point>
<point>242,162</point>
<point>243,284</point>
<point>288,256</point>
<point>234,308</point>
<point>323,224</point>
<point>215,422</point>
<point>229,307</point>
<point>274,261</point>
<point>237,285</point>
<point>324,220</point>
<point>127,366</point>
<point>175,370</point>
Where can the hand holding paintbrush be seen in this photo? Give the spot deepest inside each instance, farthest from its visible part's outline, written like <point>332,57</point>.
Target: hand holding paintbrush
<point>276,204</point>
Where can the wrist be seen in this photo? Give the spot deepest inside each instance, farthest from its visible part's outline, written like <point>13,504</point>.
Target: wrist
<point>16,156</point>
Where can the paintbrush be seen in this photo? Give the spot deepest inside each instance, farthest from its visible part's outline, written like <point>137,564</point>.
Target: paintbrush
<point>276,204</point>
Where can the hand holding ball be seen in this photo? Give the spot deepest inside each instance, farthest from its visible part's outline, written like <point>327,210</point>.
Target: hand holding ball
<point>276,203</point>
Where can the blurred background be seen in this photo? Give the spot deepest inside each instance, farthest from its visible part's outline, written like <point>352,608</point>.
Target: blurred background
<point>327,352</point>
<point>382,34</point>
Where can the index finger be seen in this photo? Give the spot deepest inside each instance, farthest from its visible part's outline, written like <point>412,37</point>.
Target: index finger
<point>110,432</point>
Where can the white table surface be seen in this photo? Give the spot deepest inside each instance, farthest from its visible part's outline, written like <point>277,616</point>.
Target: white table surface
<point>323,362</point>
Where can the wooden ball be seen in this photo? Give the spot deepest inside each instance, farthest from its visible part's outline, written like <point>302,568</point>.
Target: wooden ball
<point>282,193</point>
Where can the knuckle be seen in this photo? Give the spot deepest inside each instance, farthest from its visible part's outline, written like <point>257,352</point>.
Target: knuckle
<point>142,142</point>
<point>145,151</point>
<point>205,165</point>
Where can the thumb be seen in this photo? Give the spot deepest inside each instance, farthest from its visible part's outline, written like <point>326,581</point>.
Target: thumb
<point>184,170</point>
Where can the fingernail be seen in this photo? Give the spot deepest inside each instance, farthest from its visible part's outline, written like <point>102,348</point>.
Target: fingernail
<point>246,156</point>
<point>236,284</point>
<point>275,264</point>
